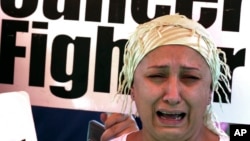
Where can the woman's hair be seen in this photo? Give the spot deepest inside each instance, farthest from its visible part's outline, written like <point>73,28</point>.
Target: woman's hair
<point>175,30</point>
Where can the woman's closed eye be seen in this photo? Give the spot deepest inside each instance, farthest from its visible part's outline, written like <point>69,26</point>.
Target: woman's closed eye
<point>190,78</point>
<point>157,77</point>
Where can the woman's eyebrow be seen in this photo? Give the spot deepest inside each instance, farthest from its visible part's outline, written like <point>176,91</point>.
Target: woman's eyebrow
<point>159,66</point>
<point>191,69</point>
<point>185,67</point>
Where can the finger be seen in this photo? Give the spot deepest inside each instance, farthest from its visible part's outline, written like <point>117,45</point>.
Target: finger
<point>103,117</point>
<point>106,136</point>
<point>114,119</point>
<point>112,132</point>
<point>126,126</point>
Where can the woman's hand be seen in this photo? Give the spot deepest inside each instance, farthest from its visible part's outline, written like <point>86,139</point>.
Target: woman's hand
<point>117,124</point>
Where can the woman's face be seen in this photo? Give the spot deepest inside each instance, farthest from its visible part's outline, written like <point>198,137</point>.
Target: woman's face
<point>171,89</point>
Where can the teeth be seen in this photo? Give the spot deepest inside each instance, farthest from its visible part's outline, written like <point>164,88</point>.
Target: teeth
<point>167,113</point>
<point>176,115</point>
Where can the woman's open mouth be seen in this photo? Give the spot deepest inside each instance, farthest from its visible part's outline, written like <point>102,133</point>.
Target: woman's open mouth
<point>170,118</point>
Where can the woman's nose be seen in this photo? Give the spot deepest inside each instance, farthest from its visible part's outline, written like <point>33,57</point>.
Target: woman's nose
<point>172,91</point>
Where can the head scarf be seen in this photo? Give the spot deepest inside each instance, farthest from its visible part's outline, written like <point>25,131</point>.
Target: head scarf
<point>175,30</point>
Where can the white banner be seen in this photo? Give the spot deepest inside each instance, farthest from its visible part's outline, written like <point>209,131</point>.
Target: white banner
<point>67,53</point>
<point>16,117</point>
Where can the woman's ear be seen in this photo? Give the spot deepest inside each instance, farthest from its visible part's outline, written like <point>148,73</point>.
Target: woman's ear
<point>132,93</point>
<point>210,98</point>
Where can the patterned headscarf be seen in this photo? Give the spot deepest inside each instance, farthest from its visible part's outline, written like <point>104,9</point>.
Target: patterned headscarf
<point>175,30</point>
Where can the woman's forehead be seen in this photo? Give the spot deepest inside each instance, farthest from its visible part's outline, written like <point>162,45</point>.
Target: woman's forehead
<point>175,53</point>
<point>183,56</point>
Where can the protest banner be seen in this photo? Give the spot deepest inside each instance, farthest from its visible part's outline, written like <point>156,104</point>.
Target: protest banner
<point>68,53</point>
